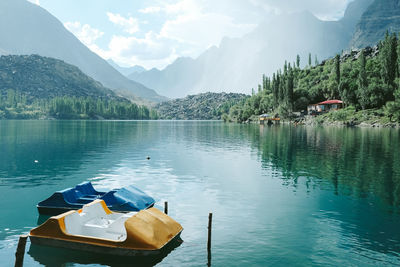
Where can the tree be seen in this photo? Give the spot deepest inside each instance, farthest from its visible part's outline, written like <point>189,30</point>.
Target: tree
<point>298,61</point>
<point>11,98</point>
<point>316,62</point>
<point>309,59</point>
<point>264,79</point>
<point>289,90</point>
<point>388,55</point>
<point>337,69</point>
<point>275,91</point>
<point>362,81</point>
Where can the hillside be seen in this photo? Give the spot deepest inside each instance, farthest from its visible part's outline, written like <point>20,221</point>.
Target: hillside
<point>206,106</point>
<point>35,87</point>
<point>44,78</point>
<point>26,28</point>
<point>237,64</point>
<point>381,16</point>
<point>367,81</point>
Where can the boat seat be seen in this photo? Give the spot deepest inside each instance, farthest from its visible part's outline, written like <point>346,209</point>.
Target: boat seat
<point>93,221</point>
<point>86,188</point>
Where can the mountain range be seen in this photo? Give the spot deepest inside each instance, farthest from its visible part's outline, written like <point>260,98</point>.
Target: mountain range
<point>26,28</point>
<point>237,65</point>
<point>126,70</point>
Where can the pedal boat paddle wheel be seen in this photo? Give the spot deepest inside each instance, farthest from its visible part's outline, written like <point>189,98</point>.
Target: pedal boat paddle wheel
<point>95,228</point>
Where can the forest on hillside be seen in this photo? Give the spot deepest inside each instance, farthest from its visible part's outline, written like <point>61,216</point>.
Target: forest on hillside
<point>204,106</point>
<point>15,105</point>
<point>364,80</point>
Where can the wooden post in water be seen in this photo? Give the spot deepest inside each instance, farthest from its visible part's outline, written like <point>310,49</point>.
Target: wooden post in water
<point>166,207</point>
<point>19,254</point>
<point>209,239</point>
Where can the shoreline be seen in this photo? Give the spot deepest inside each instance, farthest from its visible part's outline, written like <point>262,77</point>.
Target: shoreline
<point>305,121</point>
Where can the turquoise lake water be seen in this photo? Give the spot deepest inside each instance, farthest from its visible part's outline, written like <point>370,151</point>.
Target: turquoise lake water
<point>280,195</point>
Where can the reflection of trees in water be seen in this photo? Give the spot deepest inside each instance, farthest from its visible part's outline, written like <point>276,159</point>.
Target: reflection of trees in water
<point>58,146</point>
<point>363,163</point>
<point>356,161</point>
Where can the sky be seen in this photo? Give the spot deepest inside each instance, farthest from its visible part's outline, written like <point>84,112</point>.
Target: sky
<point>153,33</point>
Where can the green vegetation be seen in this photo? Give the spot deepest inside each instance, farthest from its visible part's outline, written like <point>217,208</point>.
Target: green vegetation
<point>15,106</point>
<point>38,77</point>
<point>206,106</point>
<point>367,79</point>
<point>34,87</point>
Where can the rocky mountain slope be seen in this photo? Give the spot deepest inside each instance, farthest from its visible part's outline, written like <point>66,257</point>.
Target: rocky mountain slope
<point>26,28</point>
<point>206,106</point>
<point>381,16</point>
<point>39,77</point>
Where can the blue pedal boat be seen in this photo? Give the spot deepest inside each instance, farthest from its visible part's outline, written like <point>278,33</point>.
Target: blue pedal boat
<point>125,199</point>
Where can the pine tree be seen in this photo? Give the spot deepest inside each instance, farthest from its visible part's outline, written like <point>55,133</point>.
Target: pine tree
<point>275,91</point>
<point>298,61</point>
<point>285,68</point>
<point>388,56</point>
<point>362,82</point>
<point>337,69</point>
<point>309,59</point>
<point>264,79</point>
<point>289,89</point>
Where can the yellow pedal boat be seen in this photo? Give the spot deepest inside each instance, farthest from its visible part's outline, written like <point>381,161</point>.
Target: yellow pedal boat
<point>95,228</point>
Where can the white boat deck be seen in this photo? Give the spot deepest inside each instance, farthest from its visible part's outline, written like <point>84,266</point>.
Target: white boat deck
<point>93,221</point>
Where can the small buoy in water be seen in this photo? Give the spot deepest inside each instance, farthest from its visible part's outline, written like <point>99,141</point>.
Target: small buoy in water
<point>148,157</point>
<point>36,161</point>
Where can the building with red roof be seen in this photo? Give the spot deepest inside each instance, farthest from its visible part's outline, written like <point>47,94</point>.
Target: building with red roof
<point>325,106</point>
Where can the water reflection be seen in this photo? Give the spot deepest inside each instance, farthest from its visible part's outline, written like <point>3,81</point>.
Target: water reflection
<point>355,161</point>
<point>280,195</point>
<point>50,256</point>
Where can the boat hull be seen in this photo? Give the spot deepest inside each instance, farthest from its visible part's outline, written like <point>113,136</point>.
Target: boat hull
<point>95,228</point>
<point>97,248</point>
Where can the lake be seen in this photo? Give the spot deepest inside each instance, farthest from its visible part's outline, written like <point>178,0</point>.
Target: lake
<point>280,195</point>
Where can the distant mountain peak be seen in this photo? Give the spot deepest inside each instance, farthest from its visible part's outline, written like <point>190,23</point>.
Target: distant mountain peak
<point>126,71</point>
<point>26,28</point>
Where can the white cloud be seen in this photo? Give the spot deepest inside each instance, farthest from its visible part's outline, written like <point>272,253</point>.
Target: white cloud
<point>184,7</point>
<point>85,33</point>
<point>174,28</point>
<point>150,10</point>
<point>37,2</point>
<point>129,25</point>
<point>204,29</point>
<point>199,28</point>
<point>151,47</point>
<point>188,30</point>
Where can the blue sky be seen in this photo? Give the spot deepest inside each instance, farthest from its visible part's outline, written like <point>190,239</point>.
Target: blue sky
<point>153,33</point>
